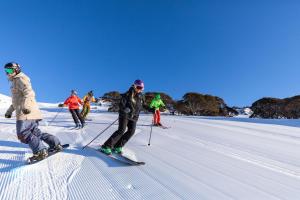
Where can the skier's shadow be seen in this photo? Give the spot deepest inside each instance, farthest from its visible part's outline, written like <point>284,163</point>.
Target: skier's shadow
<point>92,153</point>
<point>13,158</point>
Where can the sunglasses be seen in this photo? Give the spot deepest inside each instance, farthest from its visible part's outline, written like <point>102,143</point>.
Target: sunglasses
<point>9,71</point>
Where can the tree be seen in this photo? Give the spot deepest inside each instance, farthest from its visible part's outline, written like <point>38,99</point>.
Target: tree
<point>199,104</point>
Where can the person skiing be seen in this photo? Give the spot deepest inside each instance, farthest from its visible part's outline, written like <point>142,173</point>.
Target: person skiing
<point>28,114</point>
<point>130,106</point>
<point>73,103</point>
<point>87,100</point>
<point>156,104</point>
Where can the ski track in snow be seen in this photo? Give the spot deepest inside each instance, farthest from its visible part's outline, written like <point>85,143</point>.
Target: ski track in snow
<point>198,158</point>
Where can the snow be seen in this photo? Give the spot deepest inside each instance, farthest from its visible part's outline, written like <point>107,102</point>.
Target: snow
<point>5,101</point>
<point>244,112</point>
<point>197,158</point>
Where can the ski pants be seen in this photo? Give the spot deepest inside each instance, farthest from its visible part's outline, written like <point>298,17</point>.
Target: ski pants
<point>156,117</point>
<point>29,133</point>
<point>120,137</point>
<point>76,116</point>
<point>85,111</point>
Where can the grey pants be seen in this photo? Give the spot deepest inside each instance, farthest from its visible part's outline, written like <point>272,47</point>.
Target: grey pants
<point>29,133</point>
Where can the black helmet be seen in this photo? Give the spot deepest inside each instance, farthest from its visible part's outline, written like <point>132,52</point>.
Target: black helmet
<point>91,93</point>
<point>13,65</point>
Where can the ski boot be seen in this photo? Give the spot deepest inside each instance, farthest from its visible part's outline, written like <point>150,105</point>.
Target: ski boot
<point>159,124</point>
<point>77,126</point>
<point>56,148</point>
<point>106,150</point>
<point>118,150</point>
<point>40,155</point>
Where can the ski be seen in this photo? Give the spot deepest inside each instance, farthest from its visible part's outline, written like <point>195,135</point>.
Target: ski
<point>77,128</point>
<point>162,126</point>
<point>50,153</point>
<point>165,127</point>
<point>123,159</point>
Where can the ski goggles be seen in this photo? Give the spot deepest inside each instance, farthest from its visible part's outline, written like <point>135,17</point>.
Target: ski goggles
<point>9,71</point>
<point>139,87</point>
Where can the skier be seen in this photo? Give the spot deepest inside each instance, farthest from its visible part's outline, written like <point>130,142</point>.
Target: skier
<point>129,109</point>
<point>156,104</point>
<point>28,114</point>
<point>87,100</point>
<point>73,102</point>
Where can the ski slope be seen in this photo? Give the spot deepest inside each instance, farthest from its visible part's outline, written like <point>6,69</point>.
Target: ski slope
<point>197,158</point>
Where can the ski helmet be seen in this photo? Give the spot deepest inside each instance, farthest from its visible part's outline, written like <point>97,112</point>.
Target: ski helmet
<point>139,84</point>
<point>13,65</point>
<point>91,93</point>
<point>73,92</point>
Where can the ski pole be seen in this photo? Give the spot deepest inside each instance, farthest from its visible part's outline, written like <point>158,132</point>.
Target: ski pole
<point>150,134</point>
<point>100,133</point>
<point>54,118</point>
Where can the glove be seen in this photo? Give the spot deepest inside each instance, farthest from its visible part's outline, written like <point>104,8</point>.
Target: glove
<point>163,109</point>
<point>152,110</point>
<point>26,111</point>
<point>127,110</point>
<point>7,115</point>
<point>130,116</point>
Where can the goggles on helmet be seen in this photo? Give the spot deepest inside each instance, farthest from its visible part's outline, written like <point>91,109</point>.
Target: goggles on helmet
<point>139,87</point>
<point>9,71</point>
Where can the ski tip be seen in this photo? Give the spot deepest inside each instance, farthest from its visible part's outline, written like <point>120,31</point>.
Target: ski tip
<point>65,145</point>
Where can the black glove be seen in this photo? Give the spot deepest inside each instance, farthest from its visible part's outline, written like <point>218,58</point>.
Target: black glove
<point>7,115</point>
<point>152,110</point>
<point>127,110</point>
<point>26,111</point>
<point>130,116</point>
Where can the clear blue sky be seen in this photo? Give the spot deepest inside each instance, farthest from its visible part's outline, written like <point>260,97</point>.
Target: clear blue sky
<point>238,50</point>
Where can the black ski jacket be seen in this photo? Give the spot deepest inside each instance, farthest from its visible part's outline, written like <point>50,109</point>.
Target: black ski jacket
<point>132,103</point>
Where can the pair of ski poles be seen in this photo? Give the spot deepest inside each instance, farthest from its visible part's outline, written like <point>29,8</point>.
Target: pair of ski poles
<point>108,128</point>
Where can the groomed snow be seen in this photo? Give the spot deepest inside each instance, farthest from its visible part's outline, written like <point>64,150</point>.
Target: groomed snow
<point>197,158</point>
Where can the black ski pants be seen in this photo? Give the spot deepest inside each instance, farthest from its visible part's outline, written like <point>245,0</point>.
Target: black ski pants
<point>120,137</point>
<point>76,116</point>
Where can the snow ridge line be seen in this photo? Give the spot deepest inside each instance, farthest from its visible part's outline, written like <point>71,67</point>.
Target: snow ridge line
<point>185,174</point>
<point>252,185</point>
<point>270,164</point>
<point>251,131</point>
<point>9,177</point>
<point>76,191</point>
<point>263,132</point>
<point>116,184</point>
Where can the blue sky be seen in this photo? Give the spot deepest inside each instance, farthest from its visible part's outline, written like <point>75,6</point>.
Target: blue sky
<point>238,50</point>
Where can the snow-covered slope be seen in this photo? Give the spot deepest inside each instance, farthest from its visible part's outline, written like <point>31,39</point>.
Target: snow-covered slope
<point>5,101</point>
<point>197,158</point>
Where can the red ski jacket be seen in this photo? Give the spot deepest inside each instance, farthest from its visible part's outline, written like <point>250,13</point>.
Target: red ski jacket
<point>73,102</point>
